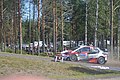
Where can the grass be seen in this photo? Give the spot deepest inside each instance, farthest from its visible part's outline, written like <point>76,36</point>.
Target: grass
<point>53,70</point>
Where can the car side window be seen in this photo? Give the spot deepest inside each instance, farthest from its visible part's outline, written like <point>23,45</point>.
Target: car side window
<point>85,49</point>
<point>94,51</point>
<point>78,50</point>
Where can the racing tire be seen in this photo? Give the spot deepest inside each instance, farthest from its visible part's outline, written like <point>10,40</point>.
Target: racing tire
<point>73,57</point>
<point>101,60</point>
<point>67,59</point>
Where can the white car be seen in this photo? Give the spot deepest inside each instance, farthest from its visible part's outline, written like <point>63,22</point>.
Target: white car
<point>99,55</point>
<point>89,53</point>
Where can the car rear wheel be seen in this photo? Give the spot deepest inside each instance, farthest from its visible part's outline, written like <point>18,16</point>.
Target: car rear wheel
<point>73,57</point>
<point>101,60</point>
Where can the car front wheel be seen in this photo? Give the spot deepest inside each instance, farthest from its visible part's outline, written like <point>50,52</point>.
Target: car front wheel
<point>101,60</point>
<point>73,57</point>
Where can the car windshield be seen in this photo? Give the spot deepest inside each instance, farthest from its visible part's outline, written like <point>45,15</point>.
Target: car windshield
<point>84,49</point>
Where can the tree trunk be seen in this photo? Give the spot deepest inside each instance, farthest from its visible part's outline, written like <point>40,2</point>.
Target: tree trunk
<point>96,27</point>
<point>62,26</point>
<point>86,22</point>
<point>43,32</point>
<point>4,41</point>
<point>29,31</point>
<point>33,29</point>
<point>1,24</point>
<point>43,27</point>
<point>20,27</point>
<point>54,26</point>
<point>15,25</point>
<point>111,29</point>
<point>118,35</point>
<point>56,29</point>
<point>12,35</point>
<point>38,26</point>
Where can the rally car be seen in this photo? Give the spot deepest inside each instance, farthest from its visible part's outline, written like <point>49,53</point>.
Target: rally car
<point>64,55</point>
<point>80,53</point>
<point>90,54</point>
<point>69,54</point>
<point>98,56</point>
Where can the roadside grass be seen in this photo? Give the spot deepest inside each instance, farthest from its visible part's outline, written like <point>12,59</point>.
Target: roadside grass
<point>49,69</point>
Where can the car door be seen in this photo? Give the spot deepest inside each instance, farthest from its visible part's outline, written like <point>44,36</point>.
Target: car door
<point>93,53</point>
<point>83,52</point>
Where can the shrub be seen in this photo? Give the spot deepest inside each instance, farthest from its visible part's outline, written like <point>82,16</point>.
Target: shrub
<point>50,54</point>
<point>9,50</point>
<point>23,52</point>
<point>44,54</point>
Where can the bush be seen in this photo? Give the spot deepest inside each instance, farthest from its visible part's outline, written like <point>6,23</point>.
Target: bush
<point>23,52</point>
<point>43,54</point>
<point>13,51</point>
<point>50,54</point>
<point>9,50</point>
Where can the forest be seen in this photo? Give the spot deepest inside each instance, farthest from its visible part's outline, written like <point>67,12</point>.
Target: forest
<point>95,22</point>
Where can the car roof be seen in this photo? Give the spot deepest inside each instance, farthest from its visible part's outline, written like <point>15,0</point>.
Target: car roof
<point>82,47</point>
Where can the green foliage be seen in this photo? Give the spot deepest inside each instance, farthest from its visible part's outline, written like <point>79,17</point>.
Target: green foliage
<point>9,50</point>
<point>73,17</point>
<point>44,54</point>
<point>23,52</point>
<point>78,20</point>
<point>50,54</point>
<point>103,19</point>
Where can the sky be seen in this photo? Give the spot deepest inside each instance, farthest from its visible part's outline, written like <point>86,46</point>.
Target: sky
<point>26,10</point>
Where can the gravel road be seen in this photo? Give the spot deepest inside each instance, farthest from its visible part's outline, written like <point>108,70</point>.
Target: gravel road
<point>111,65</point>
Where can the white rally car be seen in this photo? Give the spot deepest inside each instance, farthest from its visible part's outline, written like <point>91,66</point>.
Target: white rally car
<point>89,53</point>
<point>97,55</point>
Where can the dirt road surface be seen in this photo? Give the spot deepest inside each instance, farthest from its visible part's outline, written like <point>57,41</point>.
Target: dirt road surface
<point>112,65</point>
